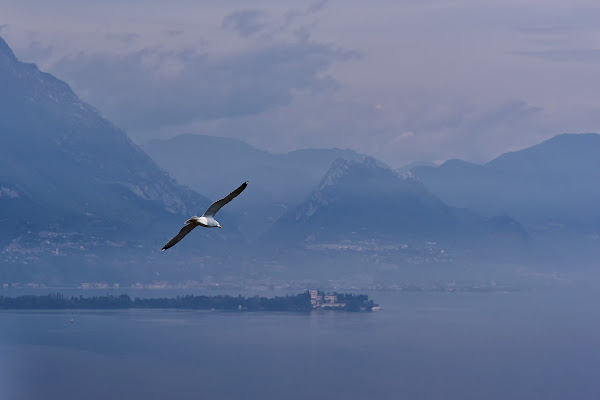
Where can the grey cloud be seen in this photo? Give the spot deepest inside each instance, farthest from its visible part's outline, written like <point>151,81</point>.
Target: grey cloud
<point>3,27</point>
<point>432,130</point>
<point>273,85</point>
<point>476,130</point>
<point>490,129</point>
<point>155,87</point>
<point>313,8</point>
<point>36,51</point>
<point>245,22</point>
<point>437,130</point>
<point>503,114</point>
<point>316,6</point>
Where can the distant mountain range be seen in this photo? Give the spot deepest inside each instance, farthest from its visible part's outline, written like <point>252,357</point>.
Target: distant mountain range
<point>319,193</point>
<point>80,202</point>
<point>362,200</point>
<point>214,166</point>
<point>552,185</point>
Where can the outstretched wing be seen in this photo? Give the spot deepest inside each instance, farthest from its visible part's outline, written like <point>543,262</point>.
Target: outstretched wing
<point>216,206</point>
<point>184,231</point>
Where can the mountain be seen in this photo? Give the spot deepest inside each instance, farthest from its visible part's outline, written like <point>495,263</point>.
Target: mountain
<point>71,180</point>
<point>409,166</point>
<point>551,185</point>
<point>214,166</point>
<point>79,202</point>
<point>360,201</point>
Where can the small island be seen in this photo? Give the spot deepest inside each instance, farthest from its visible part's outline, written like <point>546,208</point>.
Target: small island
<point>304,302</point>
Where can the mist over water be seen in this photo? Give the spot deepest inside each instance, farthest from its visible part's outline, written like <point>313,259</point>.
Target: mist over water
<point>534,345</point>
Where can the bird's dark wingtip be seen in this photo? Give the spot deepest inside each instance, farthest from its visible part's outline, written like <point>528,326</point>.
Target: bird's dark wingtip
<point>163,249</point>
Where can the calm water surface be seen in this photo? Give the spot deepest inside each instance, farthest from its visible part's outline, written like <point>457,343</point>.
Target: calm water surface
<point>420,346</point>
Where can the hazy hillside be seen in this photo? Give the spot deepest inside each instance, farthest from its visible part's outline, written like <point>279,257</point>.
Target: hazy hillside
<point>359,201</point>
<point>214,166</point>
<point>71,182</point>
<point>549,185</point>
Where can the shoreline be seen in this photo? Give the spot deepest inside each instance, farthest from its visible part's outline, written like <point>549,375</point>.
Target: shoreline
<point>302,302</point>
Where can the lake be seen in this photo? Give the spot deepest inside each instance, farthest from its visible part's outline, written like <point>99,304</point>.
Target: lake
<point>534,345</point>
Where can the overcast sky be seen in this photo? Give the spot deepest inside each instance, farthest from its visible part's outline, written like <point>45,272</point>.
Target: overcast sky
<point>400,80</point>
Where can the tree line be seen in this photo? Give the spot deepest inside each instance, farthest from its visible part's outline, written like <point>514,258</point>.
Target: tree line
<point>294,303</point>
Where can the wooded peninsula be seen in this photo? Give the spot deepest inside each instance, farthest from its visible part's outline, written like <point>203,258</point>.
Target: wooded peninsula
<point>303,302</point>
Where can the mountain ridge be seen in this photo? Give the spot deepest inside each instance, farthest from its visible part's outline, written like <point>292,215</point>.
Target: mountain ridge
<point>278,181</point>
<point>365,200</point>
<point>553,182</point>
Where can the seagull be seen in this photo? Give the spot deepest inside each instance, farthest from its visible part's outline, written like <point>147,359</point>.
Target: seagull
<point>207,219</point>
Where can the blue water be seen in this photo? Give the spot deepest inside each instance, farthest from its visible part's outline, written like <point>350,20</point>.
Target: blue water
<point>420,346</point>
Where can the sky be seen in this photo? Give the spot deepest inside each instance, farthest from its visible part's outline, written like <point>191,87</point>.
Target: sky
<point>400,80</point>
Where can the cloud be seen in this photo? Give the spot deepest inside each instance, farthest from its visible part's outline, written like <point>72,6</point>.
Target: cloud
<point>156,87</point>
<point>36,50</point>
<point>467,79</point>
<point>245,22</point>
<point>437,130</point>
<point>312,9</point>
<point>316,6</point>
<point>429,129</point>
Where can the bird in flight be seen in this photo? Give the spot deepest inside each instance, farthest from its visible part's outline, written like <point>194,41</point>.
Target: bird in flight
<point>207,219</point>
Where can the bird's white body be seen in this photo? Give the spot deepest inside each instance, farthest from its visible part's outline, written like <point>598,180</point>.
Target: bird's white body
<point>203,221</point>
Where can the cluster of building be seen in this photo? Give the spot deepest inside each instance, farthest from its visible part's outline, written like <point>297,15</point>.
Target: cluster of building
<point>320,300</point>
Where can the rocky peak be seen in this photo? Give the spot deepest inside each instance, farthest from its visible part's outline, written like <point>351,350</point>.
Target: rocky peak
<point>361,180</point>
<point>6,54</point>
<point>25,82</point>
<point>53,143</point>
<point>342,167</point>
